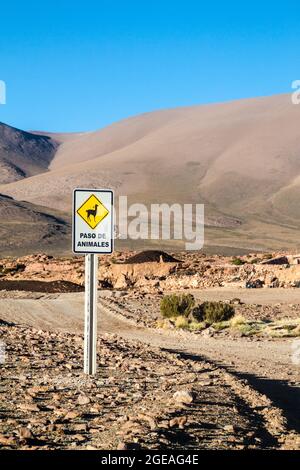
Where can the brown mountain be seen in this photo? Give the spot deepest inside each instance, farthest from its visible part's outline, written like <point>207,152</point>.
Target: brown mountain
<point>27,228</point>
<point>242,159</point>
<point>23,154</point>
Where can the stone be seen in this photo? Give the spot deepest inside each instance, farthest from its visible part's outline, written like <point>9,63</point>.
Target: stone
<point>183,396</point>
<point>71,415</point>
<point>279,260</point>
<point>79,437</point>
<point>25,433</point>
<point>205,383</point>
<point>236,301</point>
<point>6,441</point>
<point>178,422</point>
<point>122,446</point>
<point>254,284</point>
<point>80,427</point>
<point>149,419</point>
<point>83,400</point>
<point>229,428</point>
<point>29,407</point>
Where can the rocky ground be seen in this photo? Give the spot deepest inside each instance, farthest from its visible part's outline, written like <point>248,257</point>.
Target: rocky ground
<point>154,388</point>
<point>185,270</point>
<point>144,277</point>
<point>140,398</point>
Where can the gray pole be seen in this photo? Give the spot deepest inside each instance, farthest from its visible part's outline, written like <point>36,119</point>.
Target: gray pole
<point>90,325</point>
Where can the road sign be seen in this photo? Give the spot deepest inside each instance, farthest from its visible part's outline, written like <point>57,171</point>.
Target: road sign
<point>92,234</point>
<point>93,221</point>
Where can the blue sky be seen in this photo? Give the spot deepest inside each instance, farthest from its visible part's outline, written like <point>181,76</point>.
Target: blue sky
<point>72,66</point>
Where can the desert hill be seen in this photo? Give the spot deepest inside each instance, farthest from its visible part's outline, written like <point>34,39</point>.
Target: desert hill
<point>242,159</point>
<point>23,154</point>
<point>27,227</point>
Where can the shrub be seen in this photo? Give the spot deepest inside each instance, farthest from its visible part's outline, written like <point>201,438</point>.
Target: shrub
<point>237,261</point>
<point>177,305</point>
<point>197,314</point>
<point>215,312</point>
<point>197,326</point>
<point>247,330</point>
<point>222,325</point>
<point>237,320</point>
<point>181,322</point>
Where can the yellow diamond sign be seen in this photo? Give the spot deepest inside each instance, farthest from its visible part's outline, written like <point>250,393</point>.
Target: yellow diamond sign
<point>92,211</point>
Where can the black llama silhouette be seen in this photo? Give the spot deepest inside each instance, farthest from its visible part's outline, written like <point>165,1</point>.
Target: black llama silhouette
<point>92,212</point>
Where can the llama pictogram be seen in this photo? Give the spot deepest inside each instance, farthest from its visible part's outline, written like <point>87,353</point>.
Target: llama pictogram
<point>92,212</point>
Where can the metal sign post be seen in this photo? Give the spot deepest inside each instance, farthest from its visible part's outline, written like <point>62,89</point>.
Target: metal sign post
<point>92,235</point>
<point>90,318</point>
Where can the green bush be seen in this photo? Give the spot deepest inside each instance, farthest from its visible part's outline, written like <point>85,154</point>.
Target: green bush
<point>237,261</point>
<point>247,330</point>
<point>237,321</point>
<point>197,326</point>
<point>215,312</point>
<point>181,322</point>
<point>197,314</point>
<point>222,325</point>
<point>177,305</point>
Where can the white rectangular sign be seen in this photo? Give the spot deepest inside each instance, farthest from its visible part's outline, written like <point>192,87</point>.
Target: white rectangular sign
<point>92,221</point>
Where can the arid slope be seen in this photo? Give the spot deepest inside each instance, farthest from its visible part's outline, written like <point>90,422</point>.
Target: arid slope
<point>26,227</point>
<point>23,154</point>
<point>240,158</point>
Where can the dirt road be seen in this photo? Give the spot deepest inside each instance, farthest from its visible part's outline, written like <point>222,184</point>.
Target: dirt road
<point>250,296</point>
<point>267,365</point>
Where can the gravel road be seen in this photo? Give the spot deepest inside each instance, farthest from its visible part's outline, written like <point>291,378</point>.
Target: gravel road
<point>267,365</point>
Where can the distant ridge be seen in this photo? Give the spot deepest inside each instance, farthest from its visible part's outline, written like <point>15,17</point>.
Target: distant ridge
<point>27,228</point>
<point>23,154</point>
<point>241,159</point>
